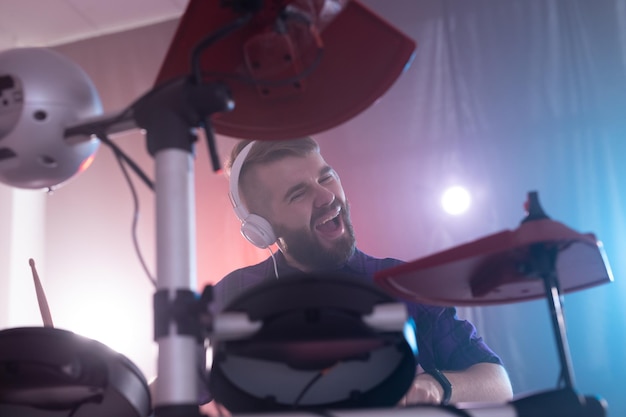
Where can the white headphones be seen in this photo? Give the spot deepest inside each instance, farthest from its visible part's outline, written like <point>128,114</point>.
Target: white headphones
<point>254,228</point>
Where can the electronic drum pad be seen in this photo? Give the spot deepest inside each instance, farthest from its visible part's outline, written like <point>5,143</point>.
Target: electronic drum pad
<point>323,344</point>
<point>48,372</point>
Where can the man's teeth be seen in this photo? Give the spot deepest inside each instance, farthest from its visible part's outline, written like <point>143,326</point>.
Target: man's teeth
<point>328,220</point>
<point>332,218</point>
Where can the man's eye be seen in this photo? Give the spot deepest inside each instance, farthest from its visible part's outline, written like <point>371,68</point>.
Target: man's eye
<point>296,196</point>
<point>326,179</point>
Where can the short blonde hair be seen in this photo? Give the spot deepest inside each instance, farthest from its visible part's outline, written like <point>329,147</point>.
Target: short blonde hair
<point>269,151</point>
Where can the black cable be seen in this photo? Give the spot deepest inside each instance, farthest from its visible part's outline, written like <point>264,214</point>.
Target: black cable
<point>226,30</point>
<point>196,69</point>
<point>198,74</point>
<point>211,39</point>
<point>121,155</point>
<point>308,386</point>
<point>280,28</point>
<point>120,158</point>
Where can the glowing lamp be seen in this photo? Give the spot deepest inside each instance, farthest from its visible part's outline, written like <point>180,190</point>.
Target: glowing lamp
<point>456,200</point>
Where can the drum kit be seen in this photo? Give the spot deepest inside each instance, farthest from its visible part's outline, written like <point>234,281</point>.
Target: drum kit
<point>297,330</point>
<point>333,323</point>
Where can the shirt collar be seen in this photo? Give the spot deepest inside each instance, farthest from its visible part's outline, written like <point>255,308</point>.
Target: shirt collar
<point>354,265</point>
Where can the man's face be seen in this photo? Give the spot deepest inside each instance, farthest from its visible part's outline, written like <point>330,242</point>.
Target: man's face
<point>306,205</point>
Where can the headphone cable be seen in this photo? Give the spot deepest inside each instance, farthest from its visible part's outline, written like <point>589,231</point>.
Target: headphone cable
<point>269,248</point>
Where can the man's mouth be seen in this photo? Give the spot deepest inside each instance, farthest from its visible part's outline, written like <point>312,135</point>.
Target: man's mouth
<point>330,225</point>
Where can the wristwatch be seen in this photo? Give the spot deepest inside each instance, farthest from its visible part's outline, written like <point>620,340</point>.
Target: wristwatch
<point>445,384</point>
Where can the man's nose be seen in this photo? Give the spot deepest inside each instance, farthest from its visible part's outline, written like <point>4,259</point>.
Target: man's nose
<point>323,196</point>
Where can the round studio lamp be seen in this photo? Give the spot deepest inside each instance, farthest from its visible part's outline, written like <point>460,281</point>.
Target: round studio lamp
<point>41,94</point>
<point>49,372</point>
<point>324,343</point>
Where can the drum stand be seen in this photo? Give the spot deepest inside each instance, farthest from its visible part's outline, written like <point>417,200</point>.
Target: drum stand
<point>541,263</point>
<point>510,266</point>
<point>169,115</point>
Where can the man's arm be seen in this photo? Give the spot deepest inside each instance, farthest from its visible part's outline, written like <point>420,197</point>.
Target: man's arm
<point>482,382</point>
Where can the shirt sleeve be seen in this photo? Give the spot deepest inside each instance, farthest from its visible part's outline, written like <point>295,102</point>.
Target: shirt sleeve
<point>446,342</point>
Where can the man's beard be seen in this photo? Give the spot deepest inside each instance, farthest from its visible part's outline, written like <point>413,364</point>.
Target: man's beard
<point>303,245</point>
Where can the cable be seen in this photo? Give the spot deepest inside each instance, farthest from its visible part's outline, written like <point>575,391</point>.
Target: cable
<point>273,261</point>
<point>196,72</point>
<point>211,39</point>
<point>135,221</point>
<point>197,77</point>
<point>121,158</point>
<point>308,386</point>
<point>120,154</point>
<point>280,27</point>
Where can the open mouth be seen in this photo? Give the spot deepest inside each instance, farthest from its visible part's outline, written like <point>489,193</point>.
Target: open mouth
<point>330,225</point>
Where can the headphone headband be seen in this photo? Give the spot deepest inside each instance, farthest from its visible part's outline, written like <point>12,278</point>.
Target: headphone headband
<point>255,228</point>
<point>235,172</point>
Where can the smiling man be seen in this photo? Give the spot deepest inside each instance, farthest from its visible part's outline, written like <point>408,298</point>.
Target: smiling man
<point>285,193</point>
<point>302,198</point>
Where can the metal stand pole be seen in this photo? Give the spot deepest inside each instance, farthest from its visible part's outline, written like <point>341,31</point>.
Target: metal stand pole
<point>544,261</point>
<point>169,116</point>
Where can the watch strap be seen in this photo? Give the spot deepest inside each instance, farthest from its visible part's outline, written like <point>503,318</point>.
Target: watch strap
<point>444,382</point>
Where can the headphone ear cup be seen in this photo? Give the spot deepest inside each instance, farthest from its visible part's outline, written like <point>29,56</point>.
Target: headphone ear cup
<point>258,231</point>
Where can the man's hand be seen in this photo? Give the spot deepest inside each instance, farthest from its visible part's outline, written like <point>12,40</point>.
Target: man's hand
<point>211,409</point>
<point>214,409</point>
<point>424,390</point>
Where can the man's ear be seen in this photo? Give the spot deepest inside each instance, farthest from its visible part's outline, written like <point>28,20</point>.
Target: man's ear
<point>280,242</point>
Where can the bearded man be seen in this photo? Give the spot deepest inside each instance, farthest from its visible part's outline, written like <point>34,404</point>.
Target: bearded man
<point>286,194</point>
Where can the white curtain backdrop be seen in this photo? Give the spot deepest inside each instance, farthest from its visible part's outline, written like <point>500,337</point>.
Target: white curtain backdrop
<point>504,97</point>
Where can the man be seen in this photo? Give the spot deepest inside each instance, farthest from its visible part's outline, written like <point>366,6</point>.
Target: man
<point>285,193</point>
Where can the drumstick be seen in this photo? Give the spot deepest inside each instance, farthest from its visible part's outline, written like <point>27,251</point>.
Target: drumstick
<point>41,297</point>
